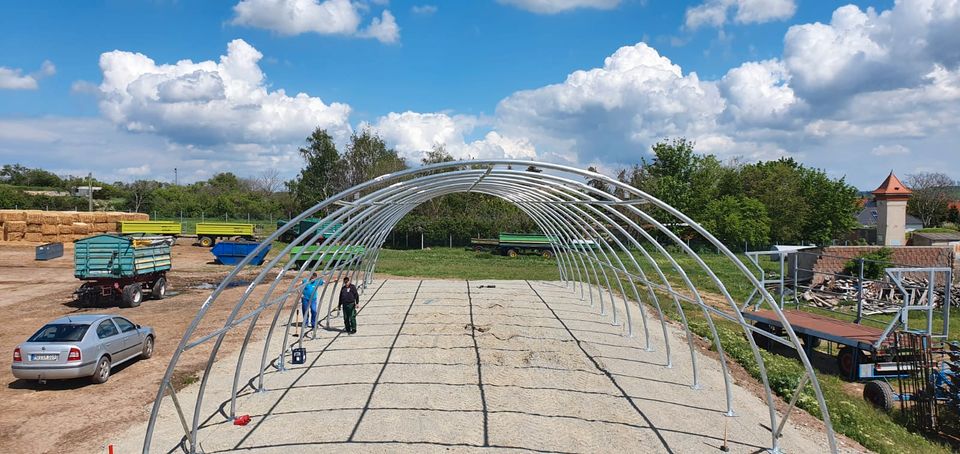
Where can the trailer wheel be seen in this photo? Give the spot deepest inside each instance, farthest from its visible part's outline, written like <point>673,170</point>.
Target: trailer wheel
<point>846,362</point>
<point>87,299</point>
<point>478,249</point>
<point>880,394</point>
<point>512,253</point>
<point>206,241</point>
<point>547,254</point>
<point>132,295</point>
<point>159,289</point>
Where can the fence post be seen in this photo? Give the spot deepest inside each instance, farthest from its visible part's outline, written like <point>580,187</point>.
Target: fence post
<point>859,292</point>
<point>451,241</point>
<point>421,241</point>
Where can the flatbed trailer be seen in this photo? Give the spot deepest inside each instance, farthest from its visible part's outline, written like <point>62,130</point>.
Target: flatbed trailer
<point>208,233</point>
<point>858,359</point>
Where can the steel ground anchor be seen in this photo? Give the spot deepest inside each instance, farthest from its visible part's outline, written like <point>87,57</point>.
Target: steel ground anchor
<point>730,414</point>
<point>696,386</point>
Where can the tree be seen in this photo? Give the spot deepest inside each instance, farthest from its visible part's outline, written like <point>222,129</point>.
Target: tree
<point>367,157</point>
<point>437,155</point>
<point>317,180</point>
<point>736,220</point>
<point>268,181</point>
<point>953,215</point>
<point>140,192</point>
<point>931,197</point>
<point>597,183</point>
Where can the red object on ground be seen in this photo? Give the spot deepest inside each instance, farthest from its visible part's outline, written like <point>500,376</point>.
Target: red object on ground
<point>241,420</point>
<point>110,449</point>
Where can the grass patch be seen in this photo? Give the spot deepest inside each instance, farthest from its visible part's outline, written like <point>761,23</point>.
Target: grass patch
<point>461,264</point>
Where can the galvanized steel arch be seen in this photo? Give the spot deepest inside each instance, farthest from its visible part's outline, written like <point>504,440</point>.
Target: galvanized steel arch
<point>573,213</point>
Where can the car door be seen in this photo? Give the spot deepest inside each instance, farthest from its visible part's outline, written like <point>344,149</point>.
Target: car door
<point>132,341</point>
<point>110,339</point>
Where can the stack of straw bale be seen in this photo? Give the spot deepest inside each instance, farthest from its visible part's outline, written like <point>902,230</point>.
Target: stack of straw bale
<point>51,226</point>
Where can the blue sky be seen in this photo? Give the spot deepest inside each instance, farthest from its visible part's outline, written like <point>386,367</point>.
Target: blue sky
<point>485,78</point>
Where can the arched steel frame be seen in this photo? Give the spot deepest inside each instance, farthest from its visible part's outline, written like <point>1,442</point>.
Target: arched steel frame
<point>593,233</point>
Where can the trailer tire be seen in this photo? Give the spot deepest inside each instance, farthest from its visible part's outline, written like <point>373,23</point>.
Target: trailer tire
<point>159,289</point>
<point>547,254</point>
<point>846,362</point>
<point>87,299</point>
<point>132,295</point>
<point>207,241</point>
<point>512,253</point>
<point>880,394</point>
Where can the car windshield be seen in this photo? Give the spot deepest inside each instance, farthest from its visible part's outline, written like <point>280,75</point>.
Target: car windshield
<point>60,332</point>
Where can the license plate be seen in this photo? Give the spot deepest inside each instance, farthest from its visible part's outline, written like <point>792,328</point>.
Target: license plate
<point>46,357</point>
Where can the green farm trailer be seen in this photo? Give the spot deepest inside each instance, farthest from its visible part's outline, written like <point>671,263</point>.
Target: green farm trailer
<point>335,253</point>
<point>150,228</point>
<point>121,268</point>
<point>514,244</point>
<point>209,232</point>
<point>327,229</point>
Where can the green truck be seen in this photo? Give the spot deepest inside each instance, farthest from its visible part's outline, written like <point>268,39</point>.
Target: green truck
<point>121,268</point>
<point>327,229</point>
<point>208,233</point>
<point>336,253</point>
<point>150,228</point>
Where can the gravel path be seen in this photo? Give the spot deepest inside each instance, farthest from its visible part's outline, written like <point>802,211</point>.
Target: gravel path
<point>459,366</point>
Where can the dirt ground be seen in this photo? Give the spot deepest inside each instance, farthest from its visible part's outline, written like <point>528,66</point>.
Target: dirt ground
<point>59,415</point>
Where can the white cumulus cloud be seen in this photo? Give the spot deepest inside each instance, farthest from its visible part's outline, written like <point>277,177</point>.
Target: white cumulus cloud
<point>14,79</point>
<point>325,17</point>
<point>557,6</point>
<point>715,13</point>
<point>209,102</point>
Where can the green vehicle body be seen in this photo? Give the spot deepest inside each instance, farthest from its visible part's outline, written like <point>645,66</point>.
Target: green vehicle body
<point>121,267</point>
<point>328,229</point>
<point>150,228</point>
<point>335,253</point>
<point>514,244</point>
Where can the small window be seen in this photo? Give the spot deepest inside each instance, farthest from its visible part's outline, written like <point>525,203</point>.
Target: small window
<point>106,329</point>
<point>125,325</point>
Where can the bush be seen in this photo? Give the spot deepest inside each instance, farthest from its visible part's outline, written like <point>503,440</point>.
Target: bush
<point>873,263</point>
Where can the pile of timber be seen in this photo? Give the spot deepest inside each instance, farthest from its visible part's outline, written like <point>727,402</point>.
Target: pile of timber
<point>879,297</point>
<point>50,226</point>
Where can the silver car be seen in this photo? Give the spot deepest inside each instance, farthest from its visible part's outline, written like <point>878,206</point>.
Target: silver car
<point>81,346</point>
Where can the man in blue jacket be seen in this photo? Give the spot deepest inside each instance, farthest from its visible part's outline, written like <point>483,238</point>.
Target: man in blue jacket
<point>310,298</point>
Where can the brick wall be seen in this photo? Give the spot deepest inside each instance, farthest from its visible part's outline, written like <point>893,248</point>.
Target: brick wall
<point>833,258</point>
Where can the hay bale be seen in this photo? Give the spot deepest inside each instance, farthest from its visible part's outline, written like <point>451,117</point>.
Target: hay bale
<point>14,236</point>
<point>80,228</point>
<point>65,229</point>
<point>140,217</point>
<point>51,217</point>
<point>49,229</point>
<point>13,215</point>
<point>99,217</point>
<point>114,217</point>
<point>34,217</point>
<point>51,238</point>
<point>87,218</point>
<point>33,227</point>
<point>104,227</point>
<point>15,226</point>
<point>35,237</point>
<point>69,217</point>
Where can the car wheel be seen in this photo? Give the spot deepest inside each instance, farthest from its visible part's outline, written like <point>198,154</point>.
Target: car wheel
<point>102,373</point>
<point>159,289</point>
<point>132,295</point>
<point>147,348</point>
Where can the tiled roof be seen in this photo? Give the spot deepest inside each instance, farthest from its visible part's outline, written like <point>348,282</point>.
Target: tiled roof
<point>892,186</point>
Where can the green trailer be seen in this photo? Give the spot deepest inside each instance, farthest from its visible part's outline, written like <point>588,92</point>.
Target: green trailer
<point>209,232</point>
<point>514,244</point>
<point>121,268</point>
<point>327,229</point>
<point>336,253</point>
<point>150,228</point>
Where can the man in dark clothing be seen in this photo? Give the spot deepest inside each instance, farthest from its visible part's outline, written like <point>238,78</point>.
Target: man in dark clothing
<point>348,305</point>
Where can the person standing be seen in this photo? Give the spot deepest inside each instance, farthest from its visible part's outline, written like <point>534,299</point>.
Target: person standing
<point>348,305</point>
<point>309,299</point>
